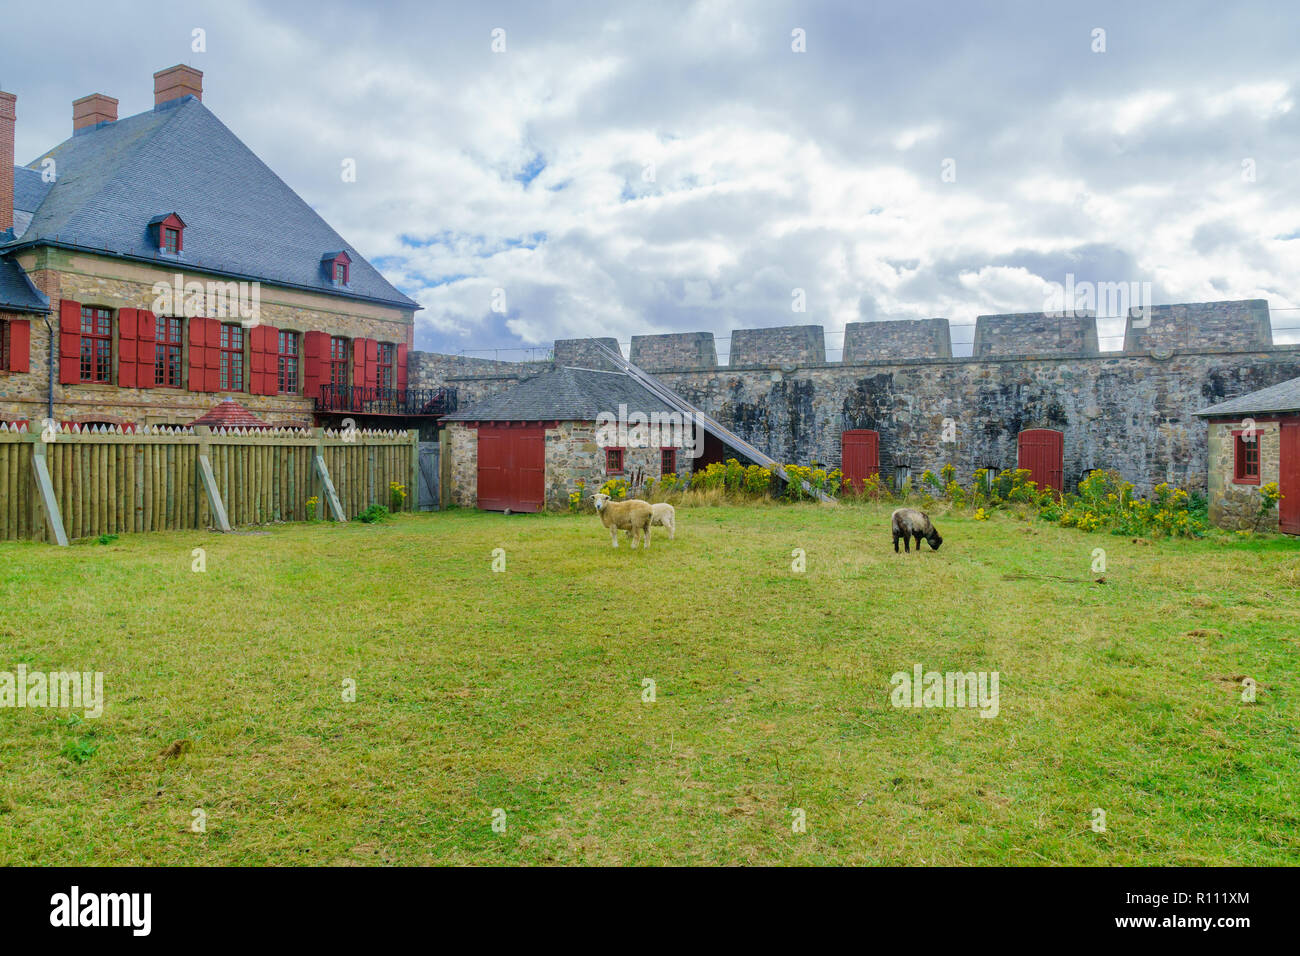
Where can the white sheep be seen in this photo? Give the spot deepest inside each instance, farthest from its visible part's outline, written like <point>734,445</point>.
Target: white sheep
<point>664,514</point>
<point>632,516</point>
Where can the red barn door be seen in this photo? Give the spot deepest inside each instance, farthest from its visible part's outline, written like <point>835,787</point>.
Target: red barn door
<point>1288,509</point>
<point>1042,452</point>
<point>511,467</point>
<point>859,456</point>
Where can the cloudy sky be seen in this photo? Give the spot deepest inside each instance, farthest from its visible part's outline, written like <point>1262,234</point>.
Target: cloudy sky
<point>626,168</point>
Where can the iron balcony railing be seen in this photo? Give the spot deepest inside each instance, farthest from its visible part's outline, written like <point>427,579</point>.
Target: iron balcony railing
<point>364,400</point>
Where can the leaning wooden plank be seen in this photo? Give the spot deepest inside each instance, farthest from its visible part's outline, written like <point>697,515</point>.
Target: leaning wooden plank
<point>45,491</point>
<point>331,497</point>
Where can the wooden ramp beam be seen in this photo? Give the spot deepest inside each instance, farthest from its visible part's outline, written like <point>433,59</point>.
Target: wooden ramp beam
<point>45,492</point>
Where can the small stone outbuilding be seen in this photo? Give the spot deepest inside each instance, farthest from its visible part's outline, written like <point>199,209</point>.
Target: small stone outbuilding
<point>1254,440</point>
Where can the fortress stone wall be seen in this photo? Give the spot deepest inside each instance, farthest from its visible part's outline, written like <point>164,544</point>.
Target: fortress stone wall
<point>1130,411</point>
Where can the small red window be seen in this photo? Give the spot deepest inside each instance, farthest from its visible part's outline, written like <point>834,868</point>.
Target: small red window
<point>287,368</point>
<point>232,358</point>
<point>613,461</point>
<point>1245,458</point>
<point>171,241</point>
<point>668,461</point>
<point>167,356</point>
<point>341,273</point>
<point>96,344</point>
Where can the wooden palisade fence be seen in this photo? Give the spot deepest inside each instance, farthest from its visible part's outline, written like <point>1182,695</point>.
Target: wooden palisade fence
<point>81,483</point>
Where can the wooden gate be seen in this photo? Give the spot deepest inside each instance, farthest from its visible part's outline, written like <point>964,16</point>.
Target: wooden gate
<point>511,467</point>
<point>427,496</point>
<point>1288,509</point>
<point>859,456</point>
<point>1042,452</point>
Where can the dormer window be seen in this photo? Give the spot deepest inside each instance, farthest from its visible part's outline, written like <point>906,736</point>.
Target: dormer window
<point>337,267</point>
<point>168,233</point>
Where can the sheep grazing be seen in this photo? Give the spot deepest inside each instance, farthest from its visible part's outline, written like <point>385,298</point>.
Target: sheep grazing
<point>633,516</point>
<point>666,516</point>
<point>909,524</point>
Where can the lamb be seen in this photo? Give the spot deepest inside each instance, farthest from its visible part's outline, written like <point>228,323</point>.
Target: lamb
<point>665,515</point>
<point>908,523</point>
<point>633,516</point>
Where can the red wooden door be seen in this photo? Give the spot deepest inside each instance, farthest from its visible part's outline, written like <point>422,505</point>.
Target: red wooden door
<point>859,456</point>
<point>511,467</point>
<point>1042,451</point>
<point>1288,509</point>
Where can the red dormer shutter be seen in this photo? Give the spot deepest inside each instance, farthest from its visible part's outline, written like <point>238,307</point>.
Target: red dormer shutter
<point>69,342</point>
<point>146,328</point>
<point>315,362</point>
<point>20,345</point>
<point>196,377</point>
<point>400,372</point>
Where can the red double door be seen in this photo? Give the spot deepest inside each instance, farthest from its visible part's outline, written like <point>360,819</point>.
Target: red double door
<point>1042,453</point>
<point>1288,509</point>
<point>511,467</point>
<point>859,456</point>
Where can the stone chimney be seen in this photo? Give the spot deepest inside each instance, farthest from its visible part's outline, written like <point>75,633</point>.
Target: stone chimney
<point>8,116</point>
<point>89,111</point>
<point>175,82</point>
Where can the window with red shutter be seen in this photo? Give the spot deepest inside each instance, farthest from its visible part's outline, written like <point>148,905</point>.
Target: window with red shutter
<point>286,373</point>
<point>232,357</point>
<point>339,362</point>
<point>167,352</point>
<point>384,378</point>
<point>96,344</point>
<point>4,346</point>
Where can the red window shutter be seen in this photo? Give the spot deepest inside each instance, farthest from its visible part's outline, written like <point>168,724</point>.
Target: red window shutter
<point>20,345</point>
<point>315,359</point>
<point>400,372</point>
<point>359,362</point>
<point>211,355</point>
<point>372,363</point>
<point>146,327</point>
<point>264,340</point>
<point>69,342</point>
<point>197,377</point>
<point>126,339</point>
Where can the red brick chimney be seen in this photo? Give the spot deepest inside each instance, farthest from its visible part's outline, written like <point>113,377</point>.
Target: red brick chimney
<point>8,116</point>
<point>92,110</point>
<point>175,82</point>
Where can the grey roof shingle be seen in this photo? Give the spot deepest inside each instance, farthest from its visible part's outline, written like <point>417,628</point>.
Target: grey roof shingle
<point>30,189</point>
<point>17,294</point>
<point>566,394</point>
<point>241,219</point>
<point>1283,397</point>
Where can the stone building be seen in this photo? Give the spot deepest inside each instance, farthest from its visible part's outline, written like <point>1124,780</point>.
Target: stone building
<point>152,263</point>
<point>526,448</point>
<point>1254,439</point>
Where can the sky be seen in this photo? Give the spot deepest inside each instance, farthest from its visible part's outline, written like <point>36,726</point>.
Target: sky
<point>536,171</point>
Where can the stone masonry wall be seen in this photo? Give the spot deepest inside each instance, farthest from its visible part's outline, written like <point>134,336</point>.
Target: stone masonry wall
<point>1035,333</point>
<point>1242,324</point>
<point>784,346</point>
<point>896,339</point>
<point>580,353</point>
<point>473,378</point>
<point>674,350</point>
<point>1233,505</point>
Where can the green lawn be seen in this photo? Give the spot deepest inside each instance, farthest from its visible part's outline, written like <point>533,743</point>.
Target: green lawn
<point>522,691</point>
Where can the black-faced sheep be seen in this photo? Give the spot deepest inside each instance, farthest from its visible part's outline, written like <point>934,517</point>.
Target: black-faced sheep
<point>909,524</point>
<point>633,516</point>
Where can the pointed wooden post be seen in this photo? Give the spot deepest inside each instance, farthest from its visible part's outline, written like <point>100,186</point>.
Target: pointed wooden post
<point>45,490</point>
<point>209,480</point>
<point>323,474</point>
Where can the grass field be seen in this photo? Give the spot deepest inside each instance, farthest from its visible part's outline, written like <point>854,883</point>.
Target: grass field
<point>523,691</point>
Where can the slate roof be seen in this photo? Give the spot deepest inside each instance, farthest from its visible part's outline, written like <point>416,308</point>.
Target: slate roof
<point>1283,397</point>
<point>242,220</point>
<point>228,413</point>
<point>17,294</point>
<point>566,394</point>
